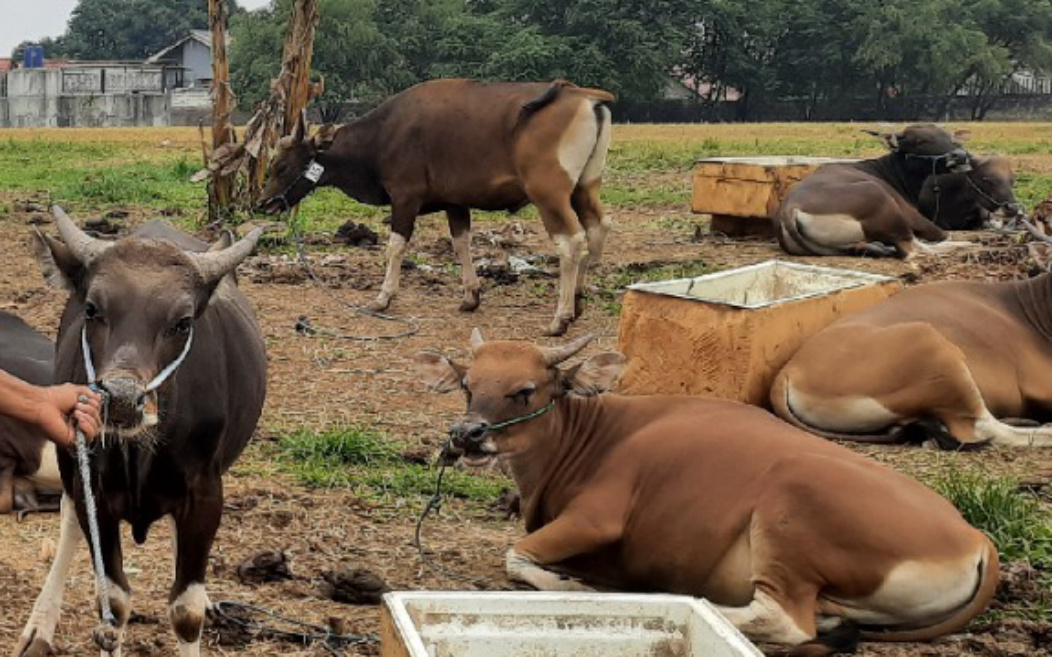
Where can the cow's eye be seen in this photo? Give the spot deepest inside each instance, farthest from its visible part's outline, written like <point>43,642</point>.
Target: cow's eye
<point>183,326</point>
<point>523,395</point>
<point>91,311</point>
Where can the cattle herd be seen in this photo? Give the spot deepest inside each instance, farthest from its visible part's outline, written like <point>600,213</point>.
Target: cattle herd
<point>616,491</point>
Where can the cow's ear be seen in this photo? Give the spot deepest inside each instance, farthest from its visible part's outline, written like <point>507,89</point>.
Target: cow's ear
<point>595,375</point>
<point>324,137</point>
<point>62,270</point>
<point>439,373</point>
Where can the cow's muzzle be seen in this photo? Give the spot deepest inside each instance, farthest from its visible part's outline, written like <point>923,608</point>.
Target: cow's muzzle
<point>130,408</point>
<point>471,442</point>
<point>958,161</point>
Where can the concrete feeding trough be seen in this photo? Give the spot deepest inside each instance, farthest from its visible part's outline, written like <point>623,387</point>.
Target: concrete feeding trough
<point>536,624</point>
<point>743,193</point>
<point>727,334</point>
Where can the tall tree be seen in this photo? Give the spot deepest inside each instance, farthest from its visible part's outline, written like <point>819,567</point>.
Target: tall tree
<point>131,29</point>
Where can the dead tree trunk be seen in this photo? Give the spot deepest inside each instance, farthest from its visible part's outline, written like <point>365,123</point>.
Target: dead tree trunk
<point>220,187</point>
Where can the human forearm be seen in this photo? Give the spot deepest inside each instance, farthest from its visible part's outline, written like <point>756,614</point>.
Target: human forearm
<point>18,399</point>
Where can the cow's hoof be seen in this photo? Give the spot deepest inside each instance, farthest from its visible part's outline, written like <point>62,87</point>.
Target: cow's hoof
<point>380,305</point>
<point>558,327</point>
<point>471,301</point>
<point>35,648</point>
<point>106,638</point>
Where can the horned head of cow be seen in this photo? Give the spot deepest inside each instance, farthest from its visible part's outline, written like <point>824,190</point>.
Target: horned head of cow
<point>132,310</point>
<point>928,148</point>
<point>511,384</point>
<point>993,181</point>
<point>296,170</point>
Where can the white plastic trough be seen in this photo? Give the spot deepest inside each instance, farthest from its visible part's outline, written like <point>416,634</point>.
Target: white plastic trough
<point>765,284</point>
<point>537,624</point>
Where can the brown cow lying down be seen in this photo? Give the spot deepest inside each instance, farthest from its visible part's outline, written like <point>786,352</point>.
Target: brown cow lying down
<point>790,534</point>
<point>28,466</point>
<point>981,198</point>
<point>459,145</point>
<point>949,358</point>
<point>869,207</point>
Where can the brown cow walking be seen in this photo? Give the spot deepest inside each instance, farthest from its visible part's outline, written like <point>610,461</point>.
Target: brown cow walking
<point>869,207</point>
<point>789,533</point>
<point>458,145</point>
<point>961,354</point>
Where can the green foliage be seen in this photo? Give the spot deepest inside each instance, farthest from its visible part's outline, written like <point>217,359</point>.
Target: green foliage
<point>371,464</point>
<point>129,29</point>
<point>1013,519</point>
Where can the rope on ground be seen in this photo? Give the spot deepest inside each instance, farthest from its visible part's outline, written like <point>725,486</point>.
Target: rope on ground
<point>267,623</point>
<point>304,325</point>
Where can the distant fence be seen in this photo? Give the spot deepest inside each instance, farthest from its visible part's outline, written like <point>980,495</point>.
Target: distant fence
<point>1002,107</point>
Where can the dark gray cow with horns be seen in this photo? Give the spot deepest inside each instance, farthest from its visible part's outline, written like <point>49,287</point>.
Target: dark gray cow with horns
<point>137,307</point>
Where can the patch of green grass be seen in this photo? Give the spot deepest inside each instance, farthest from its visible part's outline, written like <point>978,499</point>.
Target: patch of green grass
<point>1013,519</point>
<point>371,464</point>
<point>1032,188</point>
<point>612,283</point>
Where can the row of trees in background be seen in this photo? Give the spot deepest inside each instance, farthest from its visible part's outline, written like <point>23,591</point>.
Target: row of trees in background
<point>812,51</point>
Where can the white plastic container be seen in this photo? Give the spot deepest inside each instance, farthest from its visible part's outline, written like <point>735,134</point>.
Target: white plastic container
<point>540,624</point>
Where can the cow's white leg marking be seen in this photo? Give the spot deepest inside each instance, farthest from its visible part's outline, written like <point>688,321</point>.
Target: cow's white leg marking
<point>989,428</point>
<point>764,619</point>
<point>47,477</point>
<point>571,250</point>
<point>462,249</point>
<point>938,248</point>
<point>596,234</point>
<point>120,603</point>
<point>396,250</point>
<point>48,605</point>
<point>188,610</point>
<point>521,568</point>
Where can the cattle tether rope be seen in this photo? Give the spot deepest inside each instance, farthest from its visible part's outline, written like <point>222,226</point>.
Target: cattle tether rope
<point>84,464</point>
<point>240,614</point>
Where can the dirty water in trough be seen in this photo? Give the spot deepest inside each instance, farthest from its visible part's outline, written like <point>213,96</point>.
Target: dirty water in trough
<point>316,537</point>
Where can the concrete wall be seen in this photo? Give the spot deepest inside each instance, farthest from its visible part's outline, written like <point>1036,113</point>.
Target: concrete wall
<point>197,59</point>
<point>95,96</point>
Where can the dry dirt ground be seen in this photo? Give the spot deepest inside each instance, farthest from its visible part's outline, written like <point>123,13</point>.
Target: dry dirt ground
<point>317,382</point>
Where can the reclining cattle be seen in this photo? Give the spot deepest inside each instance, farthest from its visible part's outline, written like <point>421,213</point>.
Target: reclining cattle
<point>945,359</point>
<point>28,465</point>
<point>180,358</point>
<point>869,207</point>
<point>789,534</point>
<point>981,198</point>
<point>458,145</point>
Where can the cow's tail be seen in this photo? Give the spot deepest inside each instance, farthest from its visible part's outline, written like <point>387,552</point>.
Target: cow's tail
<point>784,409</point>
<point>989,575</point>
<point>554,90</point>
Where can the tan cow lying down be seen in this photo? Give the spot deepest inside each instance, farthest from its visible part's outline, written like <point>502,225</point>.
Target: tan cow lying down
<point>787,532</point>
<point>949,357</point>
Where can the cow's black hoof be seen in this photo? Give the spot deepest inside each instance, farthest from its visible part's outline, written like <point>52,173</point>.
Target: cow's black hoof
<point>36,648</point>
<point>558,327</point>
<point>471,301</point>
<point>106,638</point>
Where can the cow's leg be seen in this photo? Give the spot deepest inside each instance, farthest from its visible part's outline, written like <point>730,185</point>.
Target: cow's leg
<point>774,618</point>
<point>117,587</point>
<point>403,218</point>
<point>195,529</point>
<point>574,533</point>
<point>560,220</point>
<point>938,248</point>
<point>589,208</point>
<point>7,487</point>
<point>38,636</point>
<point>460,232</point>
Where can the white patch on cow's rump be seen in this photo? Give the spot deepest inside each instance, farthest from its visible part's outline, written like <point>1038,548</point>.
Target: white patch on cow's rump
<point>842,414</point>
<point>835,231</point>
<point>578,141</point>
<point>917,594</point>
<point>521,568</point>
<point>47,478</point>
<point>593,169</point>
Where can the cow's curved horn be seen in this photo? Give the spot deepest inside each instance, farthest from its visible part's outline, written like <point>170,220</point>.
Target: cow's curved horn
<point>84,247</point>
<point>556,355</point>
<point>214,265</point>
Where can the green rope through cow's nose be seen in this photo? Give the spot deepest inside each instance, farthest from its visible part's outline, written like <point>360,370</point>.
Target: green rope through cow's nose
<point>524,418</point>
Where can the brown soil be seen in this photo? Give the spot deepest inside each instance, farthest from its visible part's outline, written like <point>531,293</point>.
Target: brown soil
<point>316,382</point>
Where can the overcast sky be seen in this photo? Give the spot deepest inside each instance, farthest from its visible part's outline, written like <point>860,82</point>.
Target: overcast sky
<point>35,19</point>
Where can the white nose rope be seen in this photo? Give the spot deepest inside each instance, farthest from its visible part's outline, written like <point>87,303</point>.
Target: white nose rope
<point>85,476</point>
